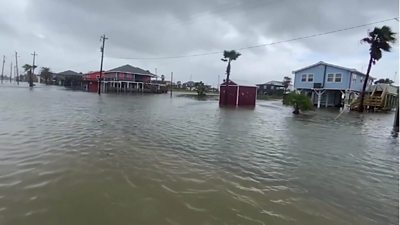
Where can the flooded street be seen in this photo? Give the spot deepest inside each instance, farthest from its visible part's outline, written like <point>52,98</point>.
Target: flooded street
<point>70,157</point>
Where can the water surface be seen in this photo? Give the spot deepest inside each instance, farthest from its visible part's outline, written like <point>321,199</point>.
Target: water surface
<point>70,157</point>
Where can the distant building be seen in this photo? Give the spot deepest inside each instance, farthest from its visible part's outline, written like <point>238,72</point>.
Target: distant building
<point>68,78</point>
<point>328,84</point>
<point>271,88</point>
<point>91,81</point>
<point>188,85</point>
<point>126,78</point>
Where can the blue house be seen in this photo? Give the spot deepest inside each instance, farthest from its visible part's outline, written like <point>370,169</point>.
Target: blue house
<point>328,84</point>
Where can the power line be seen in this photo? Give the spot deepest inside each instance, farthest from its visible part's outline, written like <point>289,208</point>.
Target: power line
<point>261,45</point>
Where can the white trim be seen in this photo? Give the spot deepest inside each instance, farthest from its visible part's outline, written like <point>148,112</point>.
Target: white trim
<point>307,77</point>
<point>334,78</point>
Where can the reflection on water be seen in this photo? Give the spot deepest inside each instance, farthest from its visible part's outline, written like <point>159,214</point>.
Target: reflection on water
<point>76,158</point>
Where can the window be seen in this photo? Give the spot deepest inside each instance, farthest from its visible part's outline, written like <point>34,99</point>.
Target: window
<point>310,78</point>
<point>304,78</point>
<point>361,79</point>
<point>338,78</point>
<point>354,78</point>
<point>330,77</point>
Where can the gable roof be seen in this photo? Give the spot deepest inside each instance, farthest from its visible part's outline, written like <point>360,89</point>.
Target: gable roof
<point>230,83</point>
<point>70,73</point>
<point>332,65</point>
<point>273,82</point>
<point>131,69</point>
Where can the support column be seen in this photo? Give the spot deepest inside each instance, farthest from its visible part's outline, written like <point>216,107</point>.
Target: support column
<point>312,97</point>
<point>319,99</point>
<point>326,99</point>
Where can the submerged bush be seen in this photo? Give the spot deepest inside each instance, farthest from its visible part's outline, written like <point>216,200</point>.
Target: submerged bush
<point>298,101</point>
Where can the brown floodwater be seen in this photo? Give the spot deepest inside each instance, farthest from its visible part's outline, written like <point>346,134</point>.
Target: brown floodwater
<point>76,158</point>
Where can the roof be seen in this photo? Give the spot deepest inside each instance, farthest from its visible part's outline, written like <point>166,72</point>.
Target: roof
<point>230,83</point>
<point>332,65</point>
<point>235,84</point>
<point>131,69</point>
<point>70,73</point>
<point>391,89</point>
<point>273,82</point>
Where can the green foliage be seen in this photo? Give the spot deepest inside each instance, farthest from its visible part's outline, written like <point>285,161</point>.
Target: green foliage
<point>46,74</point>
<point>298,101</point>
<point>379,39</point>
<point>28,67</point>
<point>231,55</point>
<point>286,82</point>
<point>384,81</point>
<point>200,88</point>
<point>228,57</point>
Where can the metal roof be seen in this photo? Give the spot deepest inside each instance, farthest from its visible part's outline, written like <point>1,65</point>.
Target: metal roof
<point>131,69</point>
<point>332,65</point>
<point>69,73</point>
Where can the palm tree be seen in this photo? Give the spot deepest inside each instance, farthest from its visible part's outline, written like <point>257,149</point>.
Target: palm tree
<point>45,74</point>
<point>379,39</point>
<point>229,56</point>
<point>28,69</point>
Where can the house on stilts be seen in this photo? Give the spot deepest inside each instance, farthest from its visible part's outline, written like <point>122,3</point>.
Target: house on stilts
<point>329,85</point>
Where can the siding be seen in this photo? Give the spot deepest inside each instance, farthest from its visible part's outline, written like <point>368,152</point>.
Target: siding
<point>337,85</point>
<point>318,72</point>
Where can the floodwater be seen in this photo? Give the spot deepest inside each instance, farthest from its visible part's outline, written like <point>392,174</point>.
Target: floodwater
<point>70,157</point>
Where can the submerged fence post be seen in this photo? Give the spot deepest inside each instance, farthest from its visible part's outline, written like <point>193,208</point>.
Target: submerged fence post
<point>396,120</point>
<point>172,75</point>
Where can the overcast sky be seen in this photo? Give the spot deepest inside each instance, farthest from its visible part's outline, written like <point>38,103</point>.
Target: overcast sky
<point>66,35</point>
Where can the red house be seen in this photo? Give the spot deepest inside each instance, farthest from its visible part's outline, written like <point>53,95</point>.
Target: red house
<point>123,78</point>
<point>237,95</point>
<point>91,81</point>
<point>127,78</point>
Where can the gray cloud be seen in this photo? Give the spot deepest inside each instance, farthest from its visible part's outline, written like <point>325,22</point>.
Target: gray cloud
<point>66,34</point>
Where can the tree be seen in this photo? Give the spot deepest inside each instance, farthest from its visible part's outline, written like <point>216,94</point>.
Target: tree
<point>384,81</point>
<point>46,74</point>
<point>229,56</point>
<point>286,82</point>
<point>201,89</point>
<point>28,69</point>
<point>379,39</point>
<point>298,101</point>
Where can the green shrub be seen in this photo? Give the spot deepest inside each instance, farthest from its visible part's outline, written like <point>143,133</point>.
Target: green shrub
<point>298,101</point>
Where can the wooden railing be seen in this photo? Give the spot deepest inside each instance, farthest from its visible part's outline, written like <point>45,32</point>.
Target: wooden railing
<point>374,101</point>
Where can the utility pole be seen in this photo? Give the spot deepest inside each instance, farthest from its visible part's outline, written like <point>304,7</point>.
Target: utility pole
<point>11,69</point>
<point>2,69</point>
<point>16,67</point>
<point>156,73</point>
<point>218,83</point>
<point>172,75</point>
<point>32,70</point>
<point>103,38</point>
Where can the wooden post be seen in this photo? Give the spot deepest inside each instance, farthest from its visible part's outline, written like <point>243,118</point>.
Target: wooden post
<point>172,75</point>
<point>326,99</point>
<point>396,120</point>
<point>16,67</point>
<point>319,99</point>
